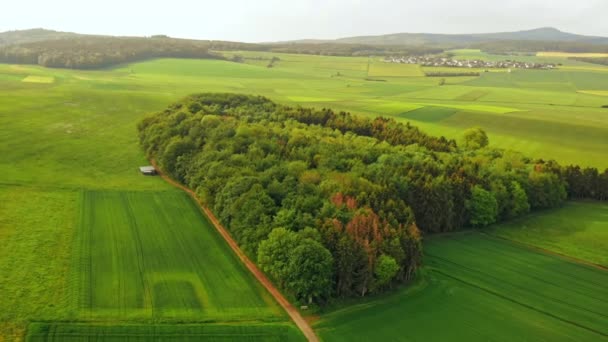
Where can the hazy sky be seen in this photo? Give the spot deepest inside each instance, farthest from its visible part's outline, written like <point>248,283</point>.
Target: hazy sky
<point>272,20</point>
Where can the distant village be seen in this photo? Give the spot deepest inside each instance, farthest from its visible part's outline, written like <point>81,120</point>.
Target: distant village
<point>463,63</point>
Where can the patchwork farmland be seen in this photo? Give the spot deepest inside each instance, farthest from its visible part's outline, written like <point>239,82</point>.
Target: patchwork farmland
<point>92,248</point>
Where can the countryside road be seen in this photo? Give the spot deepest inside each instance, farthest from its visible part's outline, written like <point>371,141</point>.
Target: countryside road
<point>293,313</point>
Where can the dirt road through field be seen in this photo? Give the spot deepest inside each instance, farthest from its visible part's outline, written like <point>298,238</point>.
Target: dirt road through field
<point>260,276</point>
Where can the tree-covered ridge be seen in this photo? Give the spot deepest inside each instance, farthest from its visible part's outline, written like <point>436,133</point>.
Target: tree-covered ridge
<point>593,60</point>
<point>351,194</point>
<point>90,52</point>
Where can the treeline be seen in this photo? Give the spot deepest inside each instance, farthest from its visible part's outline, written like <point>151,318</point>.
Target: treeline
<point>586,183</point>
<point>333,205</point>
<point>341,49</point>
<point>594,60</point>
<point>451,74</point>
<point>91,52</point>
<point>517,46</point>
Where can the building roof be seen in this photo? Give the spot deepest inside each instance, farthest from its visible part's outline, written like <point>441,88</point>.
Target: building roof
<point>147,169</point>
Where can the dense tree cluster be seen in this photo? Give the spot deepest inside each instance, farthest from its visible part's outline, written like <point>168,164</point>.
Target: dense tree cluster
<point>513,46</point>
<point>343,49</point>
<point>32,35</point>
<point>331,204</point>
<point>90,52</point>
<point>586,183</point>
<point>593,60</point>
<point>452,74</point>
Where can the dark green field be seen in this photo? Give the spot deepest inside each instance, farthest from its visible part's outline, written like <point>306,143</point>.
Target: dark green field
<point>70,332</point>
<point>481,288</point>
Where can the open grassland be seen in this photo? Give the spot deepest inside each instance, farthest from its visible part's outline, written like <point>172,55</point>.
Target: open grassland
<point>481,288</point>
<point>36,229</point>
<point>384,69</point>
<point>104,106</point>
<point>144,255</point>
<point>579,230</point>
<point>66,141</point>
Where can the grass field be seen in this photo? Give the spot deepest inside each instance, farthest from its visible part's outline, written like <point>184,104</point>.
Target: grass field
<point>384,69</point>
<point>481,288</point>
<point>146,255</point>
<point>69,150</point>
<point>579,230</point>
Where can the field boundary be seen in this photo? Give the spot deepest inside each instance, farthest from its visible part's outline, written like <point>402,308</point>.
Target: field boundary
<point>293,313</point>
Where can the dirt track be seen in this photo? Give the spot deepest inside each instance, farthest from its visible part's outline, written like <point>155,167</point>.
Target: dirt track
<point>260,276</point>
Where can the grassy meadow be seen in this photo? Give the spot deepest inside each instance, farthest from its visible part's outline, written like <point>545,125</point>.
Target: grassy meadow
<point>86,238</point>
<point>482,288</point>
<point>579,230</point>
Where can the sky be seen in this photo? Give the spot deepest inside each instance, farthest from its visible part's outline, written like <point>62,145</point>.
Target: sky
<point>277,20</point>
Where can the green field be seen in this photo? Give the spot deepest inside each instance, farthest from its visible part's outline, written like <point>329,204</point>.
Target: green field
<point>144,255</point>
<point>579,230</point>
<point>482,288</point>
<point>384,69</point>
<point>76,215</point>
<point>71,332</point>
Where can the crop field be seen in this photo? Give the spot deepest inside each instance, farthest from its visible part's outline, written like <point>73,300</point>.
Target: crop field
<point>482,288</point>
<point>383,69</point>
<point>154,255</point>
<point>579,230</point>
<point>74,332</point>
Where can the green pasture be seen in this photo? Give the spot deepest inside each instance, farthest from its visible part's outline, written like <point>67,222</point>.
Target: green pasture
<point>579,230</point>
<point>384,69</point>
<point>482,288</point>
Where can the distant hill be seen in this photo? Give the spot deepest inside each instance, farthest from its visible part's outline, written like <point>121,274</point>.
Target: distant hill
<point>547,34</point>
<point>32,36</point>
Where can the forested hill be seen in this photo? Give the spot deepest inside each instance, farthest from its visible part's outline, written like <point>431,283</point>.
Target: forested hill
<point>90,52</point>
<point>32,35</point>
<point>335,203</point>
<point>545,34</point>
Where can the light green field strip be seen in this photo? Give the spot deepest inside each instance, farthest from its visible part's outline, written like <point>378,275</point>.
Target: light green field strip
<point>310,99</point>
<point>76,332</point>
<point>384,69</point>
<point>571,54</point>
<point>482,289</point>
<point>595,92</point>
<point>472,107</point>
<point>39,79</point>
<point>580,230</point>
